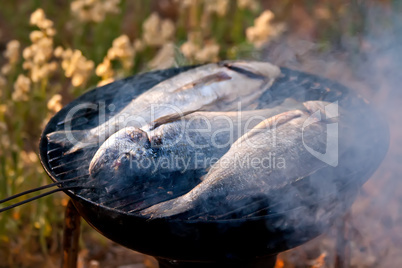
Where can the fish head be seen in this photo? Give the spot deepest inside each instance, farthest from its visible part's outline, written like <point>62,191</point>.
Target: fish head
<point>122,154</point>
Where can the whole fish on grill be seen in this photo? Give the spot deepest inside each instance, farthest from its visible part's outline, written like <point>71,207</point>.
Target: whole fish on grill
<point>194,141</point>
<point>215,86</point>
<point>242,174</point>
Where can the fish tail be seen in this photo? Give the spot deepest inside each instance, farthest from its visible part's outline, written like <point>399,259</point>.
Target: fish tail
<point>167,209</point>
<point>74,140</point>
<point>314,106</point>
<point>326,111</point>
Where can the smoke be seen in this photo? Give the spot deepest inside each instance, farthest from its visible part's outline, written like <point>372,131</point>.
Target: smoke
<point>101,105</point>
<point>370,63</point>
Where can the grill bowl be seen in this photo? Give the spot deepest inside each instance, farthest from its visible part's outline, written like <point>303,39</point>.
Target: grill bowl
<point>239,238</point>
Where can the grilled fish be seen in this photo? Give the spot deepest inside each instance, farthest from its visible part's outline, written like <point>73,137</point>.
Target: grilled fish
<point>196,141</point>
<point>245,169</point>
<point>215,86</point>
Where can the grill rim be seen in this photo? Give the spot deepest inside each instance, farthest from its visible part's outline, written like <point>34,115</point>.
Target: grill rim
<point>50,127</point>
<point>88,205</point>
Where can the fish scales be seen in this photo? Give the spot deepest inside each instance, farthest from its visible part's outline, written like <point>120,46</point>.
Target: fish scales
<point>215,86</point>
<point>195,141</point>
<point>230,178</point>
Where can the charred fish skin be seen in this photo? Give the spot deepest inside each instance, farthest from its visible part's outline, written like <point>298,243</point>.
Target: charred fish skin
<point>196,141</point>
<point>110,158</point>
<point>215,86</point>
<point>234,174</point>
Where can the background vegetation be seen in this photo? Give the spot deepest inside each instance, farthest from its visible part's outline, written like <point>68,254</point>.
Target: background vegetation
<point>53,51</point>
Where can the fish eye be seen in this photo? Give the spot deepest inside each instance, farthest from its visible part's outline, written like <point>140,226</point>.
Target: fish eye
<point>124,158</point>
<point>139,137</point>
<point>136,136</point>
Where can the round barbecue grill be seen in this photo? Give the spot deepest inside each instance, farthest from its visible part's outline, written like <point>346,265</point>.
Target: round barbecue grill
<point>249,240</point>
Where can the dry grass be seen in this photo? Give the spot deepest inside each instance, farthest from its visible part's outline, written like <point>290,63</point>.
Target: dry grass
<point>52,53</point>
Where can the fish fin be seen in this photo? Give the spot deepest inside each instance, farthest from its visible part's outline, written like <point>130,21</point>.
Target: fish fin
<point>73,139</point>
<point>167,119</point>
<point>65,138</point>
<point>206,80</point>
<point>273,121</point>
<point>322,110</point>
<point>314,106</point>
<point>217,77</point>
<point>177,116</point>
<point>252,70</point>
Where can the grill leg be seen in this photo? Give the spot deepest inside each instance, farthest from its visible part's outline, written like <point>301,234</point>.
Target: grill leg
<point>266,262</point>
<point>342,258</point>
<point>72,221</point>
